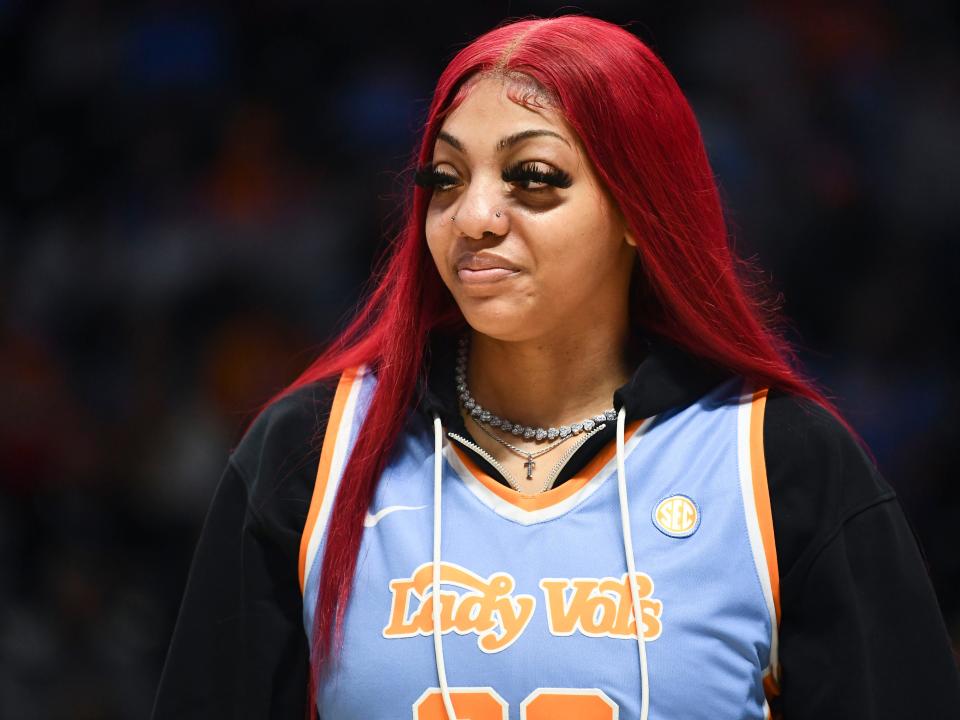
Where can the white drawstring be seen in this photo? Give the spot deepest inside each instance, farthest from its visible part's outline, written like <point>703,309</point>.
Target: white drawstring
<point>437,633</point>
<point>627,549</point>
<point>631,566</point>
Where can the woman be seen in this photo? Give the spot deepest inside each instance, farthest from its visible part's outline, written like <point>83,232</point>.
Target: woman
<point>559,411</point>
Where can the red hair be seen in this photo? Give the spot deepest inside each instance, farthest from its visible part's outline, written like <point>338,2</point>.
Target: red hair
<point>641,136</point>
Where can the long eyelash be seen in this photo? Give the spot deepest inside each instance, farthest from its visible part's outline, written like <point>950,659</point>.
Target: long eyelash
<point>430,177</point>
<point>526,171</point>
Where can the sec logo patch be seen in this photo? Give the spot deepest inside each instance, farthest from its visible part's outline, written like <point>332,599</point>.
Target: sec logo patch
<point>677,516</point>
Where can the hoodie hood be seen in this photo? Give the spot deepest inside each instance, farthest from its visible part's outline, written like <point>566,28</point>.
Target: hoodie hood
<point>665,377</point>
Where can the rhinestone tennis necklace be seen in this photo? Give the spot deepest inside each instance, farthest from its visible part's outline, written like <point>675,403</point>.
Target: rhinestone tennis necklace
<point>538,434</point>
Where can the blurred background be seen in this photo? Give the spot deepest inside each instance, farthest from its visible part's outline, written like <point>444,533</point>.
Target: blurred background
<point>192,194</point>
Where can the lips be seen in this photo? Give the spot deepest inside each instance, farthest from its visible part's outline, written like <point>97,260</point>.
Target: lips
<point>478,268</point>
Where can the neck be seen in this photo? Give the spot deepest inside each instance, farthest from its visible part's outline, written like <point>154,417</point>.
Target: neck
<point>549,381</point>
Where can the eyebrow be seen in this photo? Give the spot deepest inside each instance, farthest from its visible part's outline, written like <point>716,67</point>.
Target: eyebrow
<point>506,142</point>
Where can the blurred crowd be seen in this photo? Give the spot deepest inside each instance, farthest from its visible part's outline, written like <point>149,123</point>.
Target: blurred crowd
<point>192,196</point>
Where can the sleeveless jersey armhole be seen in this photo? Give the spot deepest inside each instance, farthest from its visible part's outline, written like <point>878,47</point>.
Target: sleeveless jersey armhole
<point>332,456</point>
<point>756,496</point>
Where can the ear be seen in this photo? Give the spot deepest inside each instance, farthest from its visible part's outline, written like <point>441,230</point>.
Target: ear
<point>628,236</point>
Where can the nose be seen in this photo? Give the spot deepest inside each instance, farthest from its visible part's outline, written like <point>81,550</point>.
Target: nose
<point>481,210</point>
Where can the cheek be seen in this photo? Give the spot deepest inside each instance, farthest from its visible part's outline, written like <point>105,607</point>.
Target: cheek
<point>572,248</point>
<point>437,244</point>
<point>575,253</point>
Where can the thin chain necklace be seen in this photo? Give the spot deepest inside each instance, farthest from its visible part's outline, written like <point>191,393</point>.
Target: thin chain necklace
<point>530,465</point>
<point>482,417</point>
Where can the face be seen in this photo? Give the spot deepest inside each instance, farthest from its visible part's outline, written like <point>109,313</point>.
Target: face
<point>558,257</point>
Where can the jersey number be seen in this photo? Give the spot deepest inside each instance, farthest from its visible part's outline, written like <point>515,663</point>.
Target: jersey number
<point>541,704</point>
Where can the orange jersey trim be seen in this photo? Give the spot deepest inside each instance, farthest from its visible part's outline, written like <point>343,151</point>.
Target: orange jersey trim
<point>347,379</point>
<point>555,495</point>
<point>771,688</point>
<point>761,494</point>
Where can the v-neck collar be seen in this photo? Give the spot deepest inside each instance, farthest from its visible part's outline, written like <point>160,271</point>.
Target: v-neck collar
<point>530,509</point>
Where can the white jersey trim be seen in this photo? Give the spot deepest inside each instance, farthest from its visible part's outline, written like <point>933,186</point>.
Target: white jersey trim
<point>508,510</point>
<point>745,417</point>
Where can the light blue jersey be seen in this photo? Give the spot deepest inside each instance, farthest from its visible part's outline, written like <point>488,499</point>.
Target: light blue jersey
<point>536,615</point>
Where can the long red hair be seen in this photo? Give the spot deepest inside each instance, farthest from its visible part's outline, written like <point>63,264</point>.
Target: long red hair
<point>643,140</point>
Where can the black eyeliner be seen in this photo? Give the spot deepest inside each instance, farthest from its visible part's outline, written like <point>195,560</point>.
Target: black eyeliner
<point>527,171</point>
<point>521,171</point>
<point>429,177</point>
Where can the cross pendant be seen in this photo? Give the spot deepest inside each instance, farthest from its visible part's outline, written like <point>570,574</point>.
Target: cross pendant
<point>529,465</point>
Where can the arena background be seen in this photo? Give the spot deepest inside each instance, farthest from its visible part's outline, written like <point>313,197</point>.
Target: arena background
<point>193,192</point>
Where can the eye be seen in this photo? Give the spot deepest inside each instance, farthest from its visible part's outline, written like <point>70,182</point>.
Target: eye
<point>520,173</point>
<point>430,177</point>
<point>524,173</point>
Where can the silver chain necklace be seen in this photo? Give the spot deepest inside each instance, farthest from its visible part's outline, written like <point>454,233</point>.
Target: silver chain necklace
<point>529,433</point>
<point>485,417</point>
<point>529,465</point>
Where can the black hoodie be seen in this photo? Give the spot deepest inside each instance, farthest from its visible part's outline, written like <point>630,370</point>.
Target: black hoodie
<point>861,634</point>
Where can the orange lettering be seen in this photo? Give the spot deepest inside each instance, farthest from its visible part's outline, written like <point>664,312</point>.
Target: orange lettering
<point>598,614</point>
<point>560,616</point>
<point>600,608</point>
<point>542,704</point>
<point>487,607</point>
<point>468,704</point>
<point>567,704</point>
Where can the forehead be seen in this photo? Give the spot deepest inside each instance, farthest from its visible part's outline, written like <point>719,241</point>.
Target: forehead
<point>488,114</point>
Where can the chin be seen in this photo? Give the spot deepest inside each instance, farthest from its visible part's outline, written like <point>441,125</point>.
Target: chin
<point>500,321</point>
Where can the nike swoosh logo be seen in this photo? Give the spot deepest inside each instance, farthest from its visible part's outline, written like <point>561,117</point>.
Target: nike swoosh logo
<point>371,520</point>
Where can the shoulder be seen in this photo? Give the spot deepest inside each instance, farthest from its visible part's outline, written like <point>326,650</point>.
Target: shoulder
<point>818,474</point>
<point>287,425</point>
<point>848,562</point>
<point>276,459</point>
